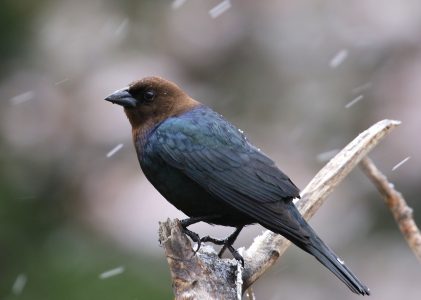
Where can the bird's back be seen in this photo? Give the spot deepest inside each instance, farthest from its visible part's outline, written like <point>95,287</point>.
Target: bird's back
<point>201,143</point>
<point>172,183</point>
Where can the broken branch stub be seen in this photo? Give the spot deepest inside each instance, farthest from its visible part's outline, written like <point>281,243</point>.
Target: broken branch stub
<point>196,276</point>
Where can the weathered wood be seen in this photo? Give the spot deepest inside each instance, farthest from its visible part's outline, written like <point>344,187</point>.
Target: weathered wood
<point>196,276</point>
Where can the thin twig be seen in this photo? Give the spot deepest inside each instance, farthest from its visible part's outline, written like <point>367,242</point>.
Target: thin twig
<point>397,205</point>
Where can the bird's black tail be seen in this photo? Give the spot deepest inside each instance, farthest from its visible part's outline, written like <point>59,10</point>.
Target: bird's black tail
<point>316,247</point>
<point>331,261</point>
<point>306,238</point>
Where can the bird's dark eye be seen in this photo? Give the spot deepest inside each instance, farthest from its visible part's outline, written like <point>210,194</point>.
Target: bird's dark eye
<point>149,95</point>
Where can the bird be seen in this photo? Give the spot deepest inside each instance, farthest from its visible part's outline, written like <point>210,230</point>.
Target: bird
<point>207,168</point>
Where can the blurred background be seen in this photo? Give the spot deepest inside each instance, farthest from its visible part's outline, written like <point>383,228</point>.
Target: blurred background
<point>78,220</point>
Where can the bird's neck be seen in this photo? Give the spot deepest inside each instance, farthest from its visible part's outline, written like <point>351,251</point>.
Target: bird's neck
<point>142,129</point>
<point>140,136</point>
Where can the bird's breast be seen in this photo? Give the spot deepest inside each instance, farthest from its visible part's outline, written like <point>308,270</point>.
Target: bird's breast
<point>185,194</point>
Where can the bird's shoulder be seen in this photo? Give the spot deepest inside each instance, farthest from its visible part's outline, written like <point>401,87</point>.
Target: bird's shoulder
<point>200,128</point>
<point>207,147</point>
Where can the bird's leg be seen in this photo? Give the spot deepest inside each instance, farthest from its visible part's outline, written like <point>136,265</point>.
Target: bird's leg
<point>230,240</point>
<point>193,235</point>
<point>227,243</point>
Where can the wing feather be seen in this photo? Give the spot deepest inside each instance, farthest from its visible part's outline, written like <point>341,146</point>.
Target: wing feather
<point>229,168</point>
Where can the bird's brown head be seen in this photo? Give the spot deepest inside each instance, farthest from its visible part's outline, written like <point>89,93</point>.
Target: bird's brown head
<point>151,100</point>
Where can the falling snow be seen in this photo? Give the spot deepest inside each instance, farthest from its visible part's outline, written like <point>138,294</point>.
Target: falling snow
<point>362,88</point>
<point>177,4</point>
<point>400,163</point>
<point>338,59</point>
<point>355,100</point>
<point>220,9</point>
<point>325,156</point>
<point>112,273</point>
<point>122,27</point>
<point>19,284</point>
<point>21,98</point>
<point>114,150</point>
<point>61,81</point>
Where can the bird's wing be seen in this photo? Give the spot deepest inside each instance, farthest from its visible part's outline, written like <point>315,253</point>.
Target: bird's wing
<point>214,154</point>
<point>218,157</point>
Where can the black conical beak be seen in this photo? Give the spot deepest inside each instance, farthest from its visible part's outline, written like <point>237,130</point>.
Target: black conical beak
<point>122,97</point>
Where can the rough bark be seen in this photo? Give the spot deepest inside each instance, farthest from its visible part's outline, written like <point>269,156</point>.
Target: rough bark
<point>196,276</point>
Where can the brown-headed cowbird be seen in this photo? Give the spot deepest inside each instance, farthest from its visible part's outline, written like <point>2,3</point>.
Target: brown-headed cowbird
<point>207,168</point>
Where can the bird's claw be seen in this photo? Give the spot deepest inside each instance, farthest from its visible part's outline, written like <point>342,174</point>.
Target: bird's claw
<point>195,238</point>
<point>236,255</point>
<point>193,235</point>
<point>227,243</point>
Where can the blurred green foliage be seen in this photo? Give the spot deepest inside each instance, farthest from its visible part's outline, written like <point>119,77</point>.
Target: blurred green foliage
<point>16,23</point>
<point>38,237</point>
<point>60,259</point>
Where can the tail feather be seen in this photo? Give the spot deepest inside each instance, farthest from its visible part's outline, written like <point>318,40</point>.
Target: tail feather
<point>307,239</point>
<point>331,261</point>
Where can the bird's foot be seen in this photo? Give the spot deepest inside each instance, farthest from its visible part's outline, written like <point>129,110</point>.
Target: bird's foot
<point>227,244</point>
<point>193,235</point>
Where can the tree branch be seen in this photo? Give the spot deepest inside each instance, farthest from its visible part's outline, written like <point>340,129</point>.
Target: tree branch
<point>205,276</point>
<point>397,204</point>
